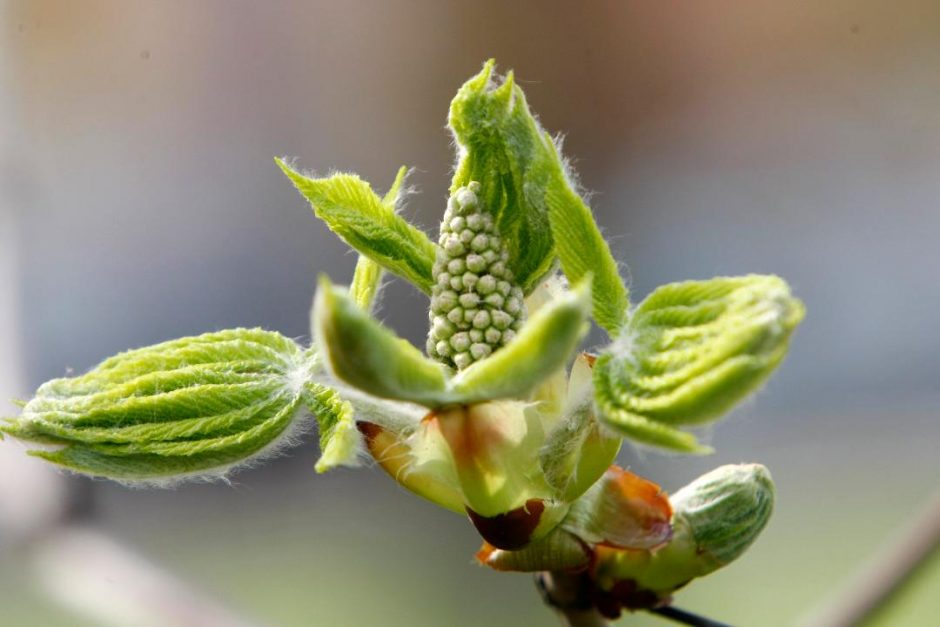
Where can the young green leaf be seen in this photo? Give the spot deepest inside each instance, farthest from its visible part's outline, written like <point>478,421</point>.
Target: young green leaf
<point>369,224</point>
<point>502,146</point>
<point>690,352</point>
<point>364,354</point>
<point>340,441</point>
<point>367,278</point>
<point>527,188</point>
<point>582,250</point>
<point>197,405</point>
<point>543,345</point>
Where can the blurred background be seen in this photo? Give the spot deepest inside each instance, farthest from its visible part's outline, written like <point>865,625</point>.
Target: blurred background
<point>139,202</point>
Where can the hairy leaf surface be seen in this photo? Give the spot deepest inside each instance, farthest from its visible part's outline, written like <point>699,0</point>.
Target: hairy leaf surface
<point>189,406</point>
<point>690,352</point>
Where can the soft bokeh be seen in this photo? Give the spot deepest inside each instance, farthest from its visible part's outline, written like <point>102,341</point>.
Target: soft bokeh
<point>139,202</point>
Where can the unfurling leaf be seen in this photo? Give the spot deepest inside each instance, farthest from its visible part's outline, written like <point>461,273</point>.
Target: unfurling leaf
<point>197,405</point>
<point>542,346</point>
<point>526,186</point>
<point>503,147</point>
<point>340,441</point>
<point>369,224</point>
<point>367,279</point>
<point>690,352</point>
<point>363,353</point>
<point>582,250</point>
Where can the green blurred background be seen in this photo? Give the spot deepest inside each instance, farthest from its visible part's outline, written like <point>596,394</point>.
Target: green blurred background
<point>139,202</point>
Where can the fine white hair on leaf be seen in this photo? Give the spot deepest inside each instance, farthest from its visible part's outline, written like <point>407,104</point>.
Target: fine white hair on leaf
<point>290,437</point>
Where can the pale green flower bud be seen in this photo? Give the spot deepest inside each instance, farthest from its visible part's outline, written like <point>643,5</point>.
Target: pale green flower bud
<point>473,287</point>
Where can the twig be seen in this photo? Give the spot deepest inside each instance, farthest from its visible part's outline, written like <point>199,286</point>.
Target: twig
<point>569,597</point>
<point>887,574</point>
<point>687,618</point>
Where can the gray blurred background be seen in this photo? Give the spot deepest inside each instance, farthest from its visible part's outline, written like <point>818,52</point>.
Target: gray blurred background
<point>139,202</point>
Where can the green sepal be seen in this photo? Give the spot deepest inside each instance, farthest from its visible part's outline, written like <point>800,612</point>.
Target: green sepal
<point>542,347</point>
<point>369,224</point>
<point>197,405</point>
<point>690,352</point>
<point>368,356</point>
<point>340,440</point>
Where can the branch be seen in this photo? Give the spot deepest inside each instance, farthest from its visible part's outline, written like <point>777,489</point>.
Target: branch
<point>887,574</point>
<point>686,618</point>
<point>568,595</point>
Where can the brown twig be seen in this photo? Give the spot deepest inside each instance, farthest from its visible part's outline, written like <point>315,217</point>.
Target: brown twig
<point>887,574</point>
<point>687,618</point>
<point>568,595</point>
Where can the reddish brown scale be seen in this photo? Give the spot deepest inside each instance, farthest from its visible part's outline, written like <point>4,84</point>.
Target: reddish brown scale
<point>624,595</point>
<point>510,531</point>
<point>369,431</point>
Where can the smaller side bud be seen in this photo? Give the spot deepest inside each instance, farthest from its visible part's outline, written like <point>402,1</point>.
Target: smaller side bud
<point>715,519</point>
<point>727,508</point>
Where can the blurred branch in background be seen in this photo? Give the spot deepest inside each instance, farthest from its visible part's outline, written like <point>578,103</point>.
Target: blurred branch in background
<point>47,521</point>
<point>101,579</point>
<point>879,582</point>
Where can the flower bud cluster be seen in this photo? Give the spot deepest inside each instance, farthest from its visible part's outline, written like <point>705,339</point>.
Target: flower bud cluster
<point>475,306</point>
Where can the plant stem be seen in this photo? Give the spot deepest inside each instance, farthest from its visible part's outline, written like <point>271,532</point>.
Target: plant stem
<point>568,596</point>
<point>887,575</point>
<point>687,618</point>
